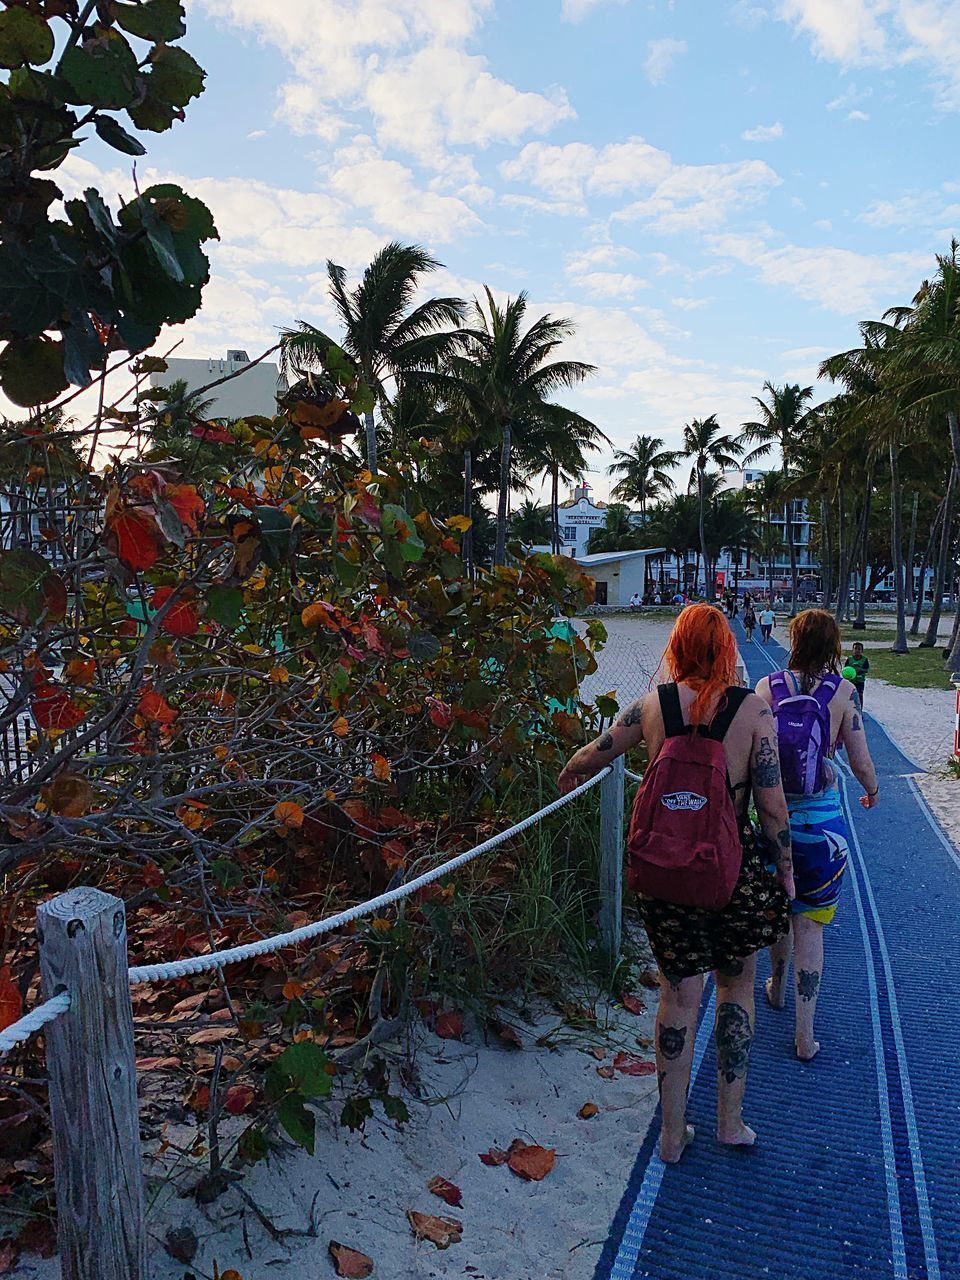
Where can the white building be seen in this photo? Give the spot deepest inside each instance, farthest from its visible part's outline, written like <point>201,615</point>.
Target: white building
<point>748,566</point>
<point>618,574</point>
<point>578,517</point>
<point>251,393</point>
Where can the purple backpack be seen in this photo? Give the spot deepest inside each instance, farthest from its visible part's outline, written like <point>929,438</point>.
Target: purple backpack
<point>803,731</point>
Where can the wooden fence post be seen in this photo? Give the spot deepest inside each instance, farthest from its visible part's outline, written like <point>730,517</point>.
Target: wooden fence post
<point>93,1088</point>
<point>611,860</point>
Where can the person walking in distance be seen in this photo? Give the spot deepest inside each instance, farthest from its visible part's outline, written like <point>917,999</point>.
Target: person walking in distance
<point>749,621</point>
<point>814,707</point>
<point>860,663</point>
<point>768,620</point>
<point>707,898</point>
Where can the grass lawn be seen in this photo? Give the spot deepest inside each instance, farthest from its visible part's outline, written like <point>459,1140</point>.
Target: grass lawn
<point>886,634</point>
<point>918,669</point>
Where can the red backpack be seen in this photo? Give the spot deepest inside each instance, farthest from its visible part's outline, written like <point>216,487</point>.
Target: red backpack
<point>684,842</point>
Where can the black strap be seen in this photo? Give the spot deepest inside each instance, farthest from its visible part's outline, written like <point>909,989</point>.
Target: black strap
<point>670,710</point>
<point>724,718</point>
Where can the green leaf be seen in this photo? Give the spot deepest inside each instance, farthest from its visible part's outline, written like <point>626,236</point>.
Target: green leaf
<point>161,242</point>
<point>298,1122</point>
<point>477,693</point>
<point>363,400</point>
<point>305,1065</point>
<point>253,1145</point>
<point>393,517</point>
<point>31,371</point>
<point>82,349</point>
<point>423,645</point>
<point>175,77</point>
<point>100,215</point>
<point>226,873</point>
<point>224,605</point>
<point>356,1113</point>
<point>29,588</point>
<point>275,529</point>
<point>24,37</point>
<point>347,572</point>
<point>607,705</point>
<point>154,20</point>
<point>102,72</point>
<point>338,364</point>
<point>117,137</point>
<point>412,549</point>
<point>395,1109</point>
<point>27,307</point>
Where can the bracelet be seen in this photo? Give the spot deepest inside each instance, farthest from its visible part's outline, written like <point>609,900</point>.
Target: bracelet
<point>871,794</point>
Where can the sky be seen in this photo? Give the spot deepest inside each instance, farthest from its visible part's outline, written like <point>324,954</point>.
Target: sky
<point>714,191</point>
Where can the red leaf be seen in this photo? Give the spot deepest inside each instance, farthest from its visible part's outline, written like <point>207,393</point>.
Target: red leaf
<point>443,1232</point>
<point>11,1004</point>
<point>181,619</point>
<point>632,1004</point>
<point>447,1191</point>
<point>53,708</point>
<point>8,1256</point>
<point>187,503</point>
<point>439,713</point>
<point>153,706</point>
<point>238,1099</point>
<point>493,1157</point>
<point>350,1262</point>
<point>628,1065</point>
<point>212,432</point>
<point>136,538</point>
<point>450,1025</point>
<point>531,1162</point>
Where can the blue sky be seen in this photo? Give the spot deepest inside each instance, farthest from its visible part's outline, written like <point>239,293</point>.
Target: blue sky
<point>716,191</point>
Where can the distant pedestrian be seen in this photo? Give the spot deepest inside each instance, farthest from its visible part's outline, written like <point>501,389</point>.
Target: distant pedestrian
<point>706,897</point>
<point>813,706</point>
<point>749,621</point>
<point>768,620</point>
<point>861,665</point>
<point>635,602</point>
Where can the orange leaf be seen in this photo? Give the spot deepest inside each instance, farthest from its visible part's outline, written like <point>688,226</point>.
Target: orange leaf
<point>135,538</point>
<point>531,1162</point>
<point>349,1262</point>
<point>442,1232</point>
<point>293,990</point>
<point>80,671</point>
<point>341,726</point>
<point>11,1003</point>
<point>588,1111</point>
<point>450,1025</point>
<point>628,1065</point>
<point>493,1157</point>
<point>187,503</point>
<point>632,1004</point>
<point>211,1035</point>
<point>381,767</point>
<point>288,814</point>
<point>69,795</point>
<point>181,619</point>
<point>447,1191</point>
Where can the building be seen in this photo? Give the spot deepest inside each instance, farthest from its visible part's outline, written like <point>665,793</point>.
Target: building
<point>578,517</point>
<point>618,574</point>
<point>748,566</point>
<point>251,393</point>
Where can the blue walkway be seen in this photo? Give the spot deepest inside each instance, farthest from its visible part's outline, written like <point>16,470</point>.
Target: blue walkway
<point>857,1170</point>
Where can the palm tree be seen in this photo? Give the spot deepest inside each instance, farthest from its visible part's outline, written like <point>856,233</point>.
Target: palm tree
<point>783,419</point>
<point>619,533</point>
<point>531,523</point>
<point>644,470</point>
<point>383,332</point>
<point>556,446</point>
<point>506,373</point>
<point>703,442</point>
<point>676,525</point>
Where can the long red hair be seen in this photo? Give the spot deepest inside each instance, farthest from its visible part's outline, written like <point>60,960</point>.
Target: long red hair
<point>702,653</point>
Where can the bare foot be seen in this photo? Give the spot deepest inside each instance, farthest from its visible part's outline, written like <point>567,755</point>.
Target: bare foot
<point>739,1136</point>
<point>670,1152</point>
<point>807,1053</point>
<point>768,987</point>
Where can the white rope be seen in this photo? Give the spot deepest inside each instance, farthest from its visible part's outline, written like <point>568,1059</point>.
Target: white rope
<point>21,1031</point>
<point>233,955</point>
<point>634,777</point>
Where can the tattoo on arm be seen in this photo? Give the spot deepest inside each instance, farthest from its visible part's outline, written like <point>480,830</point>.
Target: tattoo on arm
<point>734,1041</point>
<point>765,768</point>
<point>605,743</point>
<point>670,1041</point>
<point>766,712</point>
<point>633,715</point>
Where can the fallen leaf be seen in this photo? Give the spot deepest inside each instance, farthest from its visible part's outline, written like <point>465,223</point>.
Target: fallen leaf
<point>211,1035</point>
<point>442,1232</point>
<point>531,1162</point>
<point>447,1191</point>
<point>293,990</point>
<point>628,1065</point>
<point>349,1262</point>
<point>606,1073</point>
<point>8,1255</point>
<point>644,1042</point>
<point>493,1157</point>
<point>238,1099</point>
<point>157,1064</point>
<point>510,1037</point>
<point>650,979</point>
<point>599,1053</point>
<point>11,1004</point>
<point>181,1243</point>
<point>588,1111</point>
<point>632,1004</point>
<point>450,1025</point>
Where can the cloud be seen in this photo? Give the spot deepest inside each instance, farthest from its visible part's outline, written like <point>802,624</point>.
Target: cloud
<point>857,115</point>
<point>577,10</point>
<point>885,33</point>
<point>397,67</point>
<point>763,133</point>
<point>676,197</point>
<point>925,208</point>
<point>840,280</point>
<point>661,57</point>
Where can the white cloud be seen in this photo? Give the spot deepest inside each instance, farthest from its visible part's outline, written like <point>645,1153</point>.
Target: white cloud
<point>885,33</point>
<point>854,284</point>
<point>763,133</point>
<point>925,208</point>
<point>609,284</point>
<point>661,57</point>
<point>399,66</point>
<point>577,10</point>
<point>676,197</point>
<point>857,115</point>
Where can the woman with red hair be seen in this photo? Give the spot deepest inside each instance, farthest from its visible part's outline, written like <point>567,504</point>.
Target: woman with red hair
<point>704,698</point>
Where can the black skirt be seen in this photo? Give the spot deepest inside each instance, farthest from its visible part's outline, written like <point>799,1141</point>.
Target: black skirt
<point>690,940</point>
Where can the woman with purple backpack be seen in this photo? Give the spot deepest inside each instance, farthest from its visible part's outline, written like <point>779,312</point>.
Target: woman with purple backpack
<point>814,709</point>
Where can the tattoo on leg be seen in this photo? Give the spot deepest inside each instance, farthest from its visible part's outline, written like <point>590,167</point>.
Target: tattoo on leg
<point>734,1040</point>
<point>808,984</point>
<point>670,1041</point>
<point>780,970</point>
<point>855,728</point>
<point>605,743</point>
<point>765,768</point>
<point>856,701</point>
